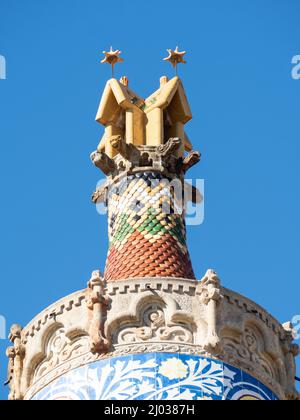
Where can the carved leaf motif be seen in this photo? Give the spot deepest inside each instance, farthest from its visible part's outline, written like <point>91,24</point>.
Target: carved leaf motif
<point>155,330</point>
<point>121,385</point>
<point>60,349</point>
<point>177,334</point>
<point>251,349</point>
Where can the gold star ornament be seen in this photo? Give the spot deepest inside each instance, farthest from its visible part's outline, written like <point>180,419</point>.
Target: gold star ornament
<point>176,57</point>
<point>112,57</point>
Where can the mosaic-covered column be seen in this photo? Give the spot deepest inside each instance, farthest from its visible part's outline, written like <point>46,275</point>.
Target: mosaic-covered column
<point>147,233</point>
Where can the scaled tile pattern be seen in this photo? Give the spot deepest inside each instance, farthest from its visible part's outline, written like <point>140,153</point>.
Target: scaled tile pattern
<point>147,230</point>
<point>156,376</point>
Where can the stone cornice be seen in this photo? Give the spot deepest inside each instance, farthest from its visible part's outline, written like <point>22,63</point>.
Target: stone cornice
<point>57,309</point>
<point>157,315</point>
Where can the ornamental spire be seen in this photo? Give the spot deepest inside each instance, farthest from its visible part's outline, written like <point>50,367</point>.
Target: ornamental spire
<point>145,154</point>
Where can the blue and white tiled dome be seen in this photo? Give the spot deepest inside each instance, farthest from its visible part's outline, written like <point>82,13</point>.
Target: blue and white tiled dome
<point>156,376</point>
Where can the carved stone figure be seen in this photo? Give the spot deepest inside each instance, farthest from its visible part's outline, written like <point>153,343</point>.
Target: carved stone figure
<point>97,306</point>
<point>103,162</point>
<point>16,356</point>
<point>128,151</point>
<point>210,295</point>
<point>291,351</point>
<point>170,147</point>
<point>191,160</point>
<point>10,353</point>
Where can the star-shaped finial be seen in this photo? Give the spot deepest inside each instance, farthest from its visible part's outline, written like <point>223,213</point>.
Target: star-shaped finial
<point>112,57</point>
<point>176,57</point>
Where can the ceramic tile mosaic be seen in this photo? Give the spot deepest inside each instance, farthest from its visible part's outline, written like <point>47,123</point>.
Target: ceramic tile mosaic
<point>156,376</point>
<point>147,235</point>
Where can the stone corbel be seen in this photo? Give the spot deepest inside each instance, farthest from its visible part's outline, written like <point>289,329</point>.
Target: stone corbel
<point>210,295</point>
<point>16,355</point>
<point>103,162</point>
<point>97,307</point>
<point>291,351</point>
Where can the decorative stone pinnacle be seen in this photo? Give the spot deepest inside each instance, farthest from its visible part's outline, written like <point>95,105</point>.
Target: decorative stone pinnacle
<point>124,80</point>
<point>211,276</point>
<point>146,126</point>
<point>163,81</point>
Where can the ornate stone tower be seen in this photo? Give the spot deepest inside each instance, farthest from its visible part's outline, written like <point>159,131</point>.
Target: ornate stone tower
<point>148,329</point>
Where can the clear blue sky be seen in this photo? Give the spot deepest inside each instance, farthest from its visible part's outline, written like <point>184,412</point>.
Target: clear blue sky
<point>246,124</point>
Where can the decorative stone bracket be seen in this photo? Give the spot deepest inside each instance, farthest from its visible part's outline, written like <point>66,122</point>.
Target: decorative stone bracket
<point>130,158</point>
